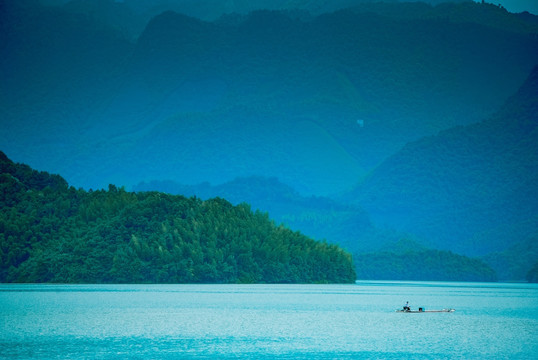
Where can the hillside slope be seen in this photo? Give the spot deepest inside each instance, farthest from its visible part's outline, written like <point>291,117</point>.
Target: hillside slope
<point>378,253</point>
<point>315,101</point>
<point>318,217</point>
<point>50,232</point>
<point>470,189</point>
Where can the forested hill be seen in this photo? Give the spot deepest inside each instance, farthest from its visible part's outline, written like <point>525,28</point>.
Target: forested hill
<point>470,189</point>
<point>408,260</point>
<point>316,217</point>
<point>50,232</point>
<point>378,253</point>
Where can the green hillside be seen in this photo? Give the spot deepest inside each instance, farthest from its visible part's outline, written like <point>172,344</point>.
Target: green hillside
<point>396,105</point>
<point>407,260</point>
<point>50,232</point>
<point>470,189</point>
<point>378,253</point>
<point>317,217</point>
<point>516,262</point>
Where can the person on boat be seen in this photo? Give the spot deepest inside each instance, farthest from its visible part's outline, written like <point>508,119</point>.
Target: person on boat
<point>406,306</point>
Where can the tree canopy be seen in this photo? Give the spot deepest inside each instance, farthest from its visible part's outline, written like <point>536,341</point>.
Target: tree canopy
<point>50,232</point>
<point>407,260</point>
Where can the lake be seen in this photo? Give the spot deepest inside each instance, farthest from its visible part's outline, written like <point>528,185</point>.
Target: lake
<point>492,320</point>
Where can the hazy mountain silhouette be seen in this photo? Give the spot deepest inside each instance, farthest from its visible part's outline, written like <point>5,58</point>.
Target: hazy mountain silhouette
<point>470,189</point>
<point>317,217</point>
<point>131,15</point>
<point>56,70</point>
<point>316,103</point>
<point>317,94</point>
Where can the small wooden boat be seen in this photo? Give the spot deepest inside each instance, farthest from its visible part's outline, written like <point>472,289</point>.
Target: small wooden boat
<point>421,310</point>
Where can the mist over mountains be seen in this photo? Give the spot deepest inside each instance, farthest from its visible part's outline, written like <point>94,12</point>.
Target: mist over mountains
<point>471,189</point>
<point>317,103</point>
<point>394,110</point>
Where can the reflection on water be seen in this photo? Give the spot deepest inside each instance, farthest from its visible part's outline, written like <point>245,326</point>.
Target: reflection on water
<point>268,321</point>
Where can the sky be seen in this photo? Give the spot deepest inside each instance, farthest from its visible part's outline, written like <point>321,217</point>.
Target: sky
<point>516,6</point>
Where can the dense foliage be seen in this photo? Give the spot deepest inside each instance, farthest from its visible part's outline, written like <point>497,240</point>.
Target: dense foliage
<point>50,232</point>
<point>317,100</point>
<point>315,216</point>
<point>347,225</point>
<point>422,264</point>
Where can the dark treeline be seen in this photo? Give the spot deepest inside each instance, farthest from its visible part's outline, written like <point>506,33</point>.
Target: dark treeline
<point>50,232</point>
<point>379,253</point>
<point>315,216</point>
<point>422,264</point>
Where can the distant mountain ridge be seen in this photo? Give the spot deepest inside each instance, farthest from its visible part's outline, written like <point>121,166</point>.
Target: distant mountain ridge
<point>318,217</point>
<point>131,16</point>
<point>114,236</point>
<point>378,254</point>
<point>322,101</point>
<point>316,102</point>
<point>469,189</point>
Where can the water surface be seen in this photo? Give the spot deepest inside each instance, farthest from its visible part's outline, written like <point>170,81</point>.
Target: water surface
<point>268,321</point>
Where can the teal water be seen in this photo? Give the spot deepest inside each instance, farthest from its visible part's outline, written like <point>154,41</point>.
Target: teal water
<point>492,321</point>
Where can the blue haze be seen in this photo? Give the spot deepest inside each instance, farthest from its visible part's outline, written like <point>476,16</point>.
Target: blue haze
<point>92,91</point>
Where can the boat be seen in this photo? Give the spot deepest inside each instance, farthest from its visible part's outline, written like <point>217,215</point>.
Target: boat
<point>421,310</point>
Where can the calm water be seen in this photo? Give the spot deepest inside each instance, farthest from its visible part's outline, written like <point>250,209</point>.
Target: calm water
<point>492,321</point>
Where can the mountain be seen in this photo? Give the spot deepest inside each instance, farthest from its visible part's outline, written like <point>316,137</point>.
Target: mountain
<point>486,14</point>
<point>470,189</point>
<point>50,232</point>
<point>55,69</point>
<point>378,253</point>
<point>407,260</point>
<point>315,101</point>
<point>322,96</point>
<point>117,15</point>
<point>517,261</point>
<point>318,217</point>
<point>211,10</point>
